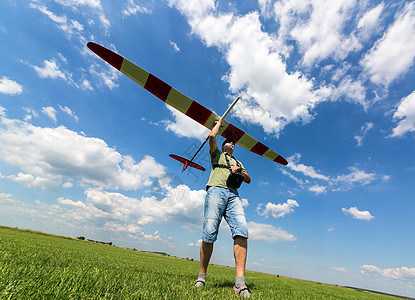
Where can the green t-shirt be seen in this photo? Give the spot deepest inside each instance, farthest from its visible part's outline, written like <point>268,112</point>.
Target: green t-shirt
<point>218,176</point>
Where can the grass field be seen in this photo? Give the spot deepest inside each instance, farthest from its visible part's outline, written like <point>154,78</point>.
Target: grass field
<point>40,266</point>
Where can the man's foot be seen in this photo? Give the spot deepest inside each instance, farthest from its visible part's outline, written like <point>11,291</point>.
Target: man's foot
<point>200,283</point>
<point>242,291</point>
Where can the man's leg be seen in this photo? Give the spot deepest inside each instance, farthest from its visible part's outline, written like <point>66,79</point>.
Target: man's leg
<point>240,246</point>
<point>215,204</point>
<point>235,217</point>
<point>206,250</point>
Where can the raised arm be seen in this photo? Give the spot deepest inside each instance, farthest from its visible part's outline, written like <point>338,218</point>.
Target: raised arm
<point>213,145</point>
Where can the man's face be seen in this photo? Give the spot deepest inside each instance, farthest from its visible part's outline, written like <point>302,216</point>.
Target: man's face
<point>228,146</point>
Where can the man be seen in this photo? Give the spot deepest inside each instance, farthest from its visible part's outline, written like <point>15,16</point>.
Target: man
<point>222,199</point>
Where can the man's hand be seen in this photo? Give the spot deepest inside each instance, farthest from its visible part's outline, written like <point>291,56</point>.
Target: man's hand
<point>245,175</point>
<point>236,169</point>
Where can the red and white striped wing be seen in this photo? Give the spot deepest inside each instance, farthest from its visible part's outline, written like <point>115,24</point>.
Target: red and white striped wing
<point>184,104</point>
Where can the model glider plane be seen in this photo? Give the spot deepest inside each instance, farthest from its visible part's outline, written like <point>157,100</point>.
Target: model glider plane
<point>187,106</point>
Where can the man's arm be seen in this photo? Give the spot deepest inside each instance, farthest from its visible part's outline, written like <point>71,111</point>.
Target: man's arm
<point>247,178</point>
<point>213,145</point>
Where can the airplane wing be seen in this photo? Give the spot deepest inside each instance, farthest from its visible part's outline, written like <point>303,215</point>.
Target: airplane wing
<point>184,104</point>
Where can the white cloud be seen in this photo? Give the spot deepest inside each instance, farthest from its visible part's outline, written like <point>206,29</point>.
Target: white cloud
<point>86,85</point>
<point>339,269</point>
<point>30,113</point>
<point>273,96</point>
<point>364,130</point>
<point>10,87</point>
<point>94,5</point>
<point>85,215</point>
<point>268,233</point>
<point>50,70</point>
<point>130,228</point>
<point>306,170</point>
<point>91,3</point>
<point>357,214</point>
<point>7,199</point>
<point>135,8</point>
<point>276,93</point>
<point>43,9</point>
<point>3,29</point>
<point>394,273</point>
<point>50,112</point>
<point>405,113</point>
<point>318,189</point>
<point>277,210</point>
<point>296,179</point>
<point>245,202</point>
<point>69,26</point>
<point>342,182</point>
<point>197,244</point>
<point>54,153</point>
<point>108,75</point>
<point>394,53</point>
<point>67,185</point>
<point>198,8</point>
<point>323,29</point>
<point>135,232</point>
<point>386,178</point>
<point>346,181</point>
<point>69,202</point>
<point>321,34</point>
<point>286,14</point>
<point>62,58</point>
<point>47,182</point>
<point>352,90</point>
<point>266,8</point>
<point>180,204</point>
<point>174,45</point>
<point>369,22</point>
<point>69,112</point>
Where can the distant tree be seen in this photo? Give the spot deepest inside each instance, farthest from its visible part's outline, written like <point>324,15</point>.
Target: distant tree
<point>80,238</point>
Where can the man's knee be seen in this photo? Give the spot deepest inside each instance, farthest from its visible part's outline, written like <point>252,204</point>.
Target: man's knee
<point>240,240</point>
<point>206,244</point>
<point>210,230</point>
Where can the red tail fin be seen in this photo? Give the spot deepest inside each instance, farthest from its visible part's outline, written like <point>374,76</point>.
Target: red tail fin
<point>187,163</point>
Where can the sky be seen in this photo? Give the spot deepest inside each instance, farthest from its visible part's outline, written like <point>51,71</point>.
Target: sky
<point>329,85</point>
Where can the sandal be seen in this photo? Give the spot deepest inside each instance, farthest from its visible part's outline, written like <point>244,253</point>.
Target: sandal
<point>242,291</point>
<point>200,283</point>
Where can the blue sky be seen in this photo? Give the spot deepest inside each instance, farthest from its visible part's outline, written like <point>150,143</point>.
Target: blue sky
<point>328,85</point>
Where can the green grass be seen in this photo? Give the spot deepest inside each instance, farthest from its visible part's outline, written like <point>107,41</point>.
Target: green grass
<point>34,265</point>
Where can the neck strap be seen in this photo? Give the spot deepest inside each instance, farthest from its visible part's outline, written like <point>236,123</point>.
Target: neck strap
<point>228,165</point>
